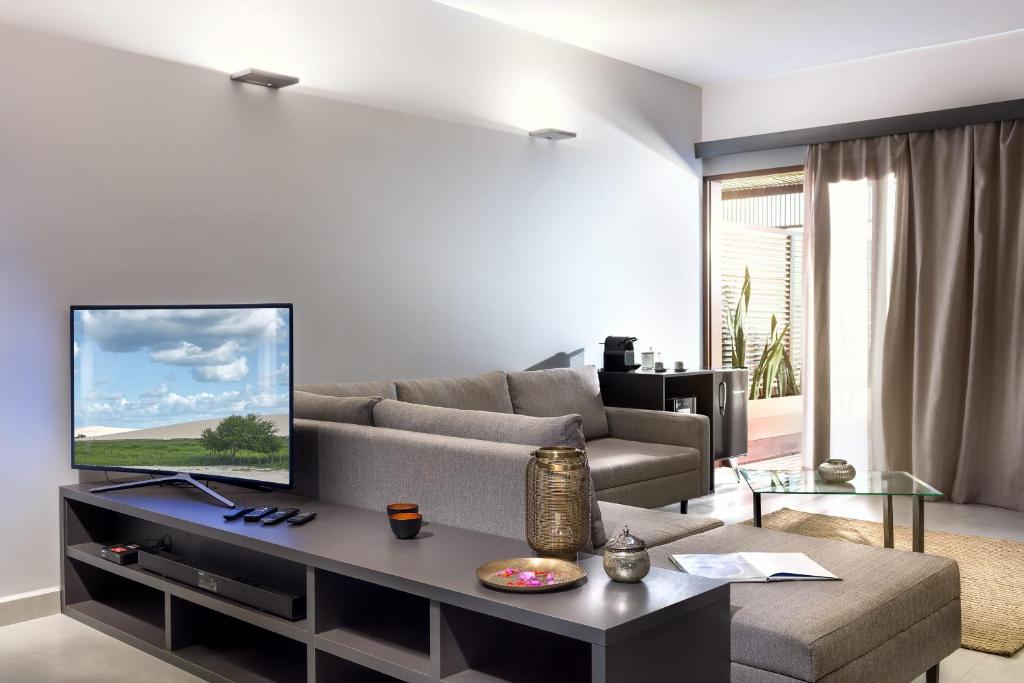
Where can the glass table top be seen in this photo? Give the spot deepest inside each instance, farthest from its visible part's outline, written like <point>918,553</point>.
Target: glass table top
<point>872,483</point>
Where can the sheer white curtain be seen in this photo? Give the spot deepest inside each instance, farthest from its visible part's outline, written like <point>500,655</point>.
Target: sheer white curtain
<point>848,251</point>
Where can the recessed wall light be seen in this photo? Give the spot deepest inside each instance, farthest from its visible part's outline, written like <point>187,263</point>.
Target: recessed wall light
<point>552,134</point>
<point>268,79</point>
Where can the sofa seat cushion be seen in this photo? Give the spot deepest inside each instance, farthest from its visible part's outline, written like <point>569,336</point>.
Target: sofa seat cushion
<point>478,424</point>
<point>561,391</point>
<point>351,409</point>
<point>656,527</point>
<point>617,462</point>
<point>384,388</point>
<point>487,392</point>
<point>809,629</point>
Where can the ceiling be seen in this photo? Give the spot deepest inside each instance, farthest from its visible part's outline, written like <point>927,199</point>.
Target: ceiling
<point>699,41</point>
<point>709,41</point>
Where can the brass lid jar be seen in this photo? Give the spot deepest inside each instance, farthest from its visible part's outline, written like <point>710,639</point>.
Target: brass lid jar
<point>626,559</point>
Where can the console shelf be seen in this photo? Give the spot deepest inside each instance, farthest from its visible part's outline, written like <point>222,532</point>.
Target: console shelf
<point>234,649</point>
<point>89,553</point>
<point>379,610</point>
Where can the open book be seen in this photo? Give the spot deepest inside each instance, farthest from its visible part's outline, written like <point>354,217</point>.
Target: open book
<point>754,567</point>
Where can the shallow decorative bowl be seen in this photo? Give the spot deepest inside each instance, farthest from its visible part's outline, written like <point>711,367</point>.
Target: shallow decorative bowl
<point>406,524</point>
<point>503,575</point>
<point>836,471</point>
<point>399,508</point>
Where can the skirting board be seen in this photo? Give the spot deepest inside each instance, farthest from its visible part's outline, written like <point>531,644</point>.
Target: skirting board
<point>32,605</point>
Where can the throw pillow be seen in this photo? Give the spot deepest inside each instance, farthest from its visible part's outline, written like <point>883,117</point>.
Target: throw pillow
<point>351,409</point>
<point>486,392</point>
<point>560,391</point>
<point>479,424</point>
<point>382,387</point>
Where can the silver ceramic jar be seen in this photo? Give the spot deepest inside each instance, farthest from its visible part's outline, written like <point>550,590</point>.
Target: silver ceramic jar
<point>626,559</point>
<point>835,471</point>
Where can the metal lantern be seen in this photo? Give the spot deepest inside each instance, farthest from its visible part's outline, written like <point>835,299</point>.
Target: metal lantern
<point>558,501</point>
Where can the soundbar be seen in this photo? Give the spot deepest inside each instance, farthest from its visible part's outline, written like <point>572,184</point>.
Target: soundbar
<point>239,589</point>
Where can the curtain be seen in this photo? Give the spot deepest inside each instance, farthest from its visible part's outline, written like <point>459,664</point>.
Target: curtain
<point>915,308</point>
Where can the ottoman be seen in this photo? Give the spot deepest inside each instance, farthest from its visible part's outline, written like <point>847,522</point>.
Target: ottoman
<point>893,616</point>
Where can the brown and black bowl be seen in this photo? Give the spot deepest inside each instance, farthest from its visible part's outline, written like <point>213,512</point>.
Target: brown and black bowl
<point>400,508</point>
<point>406,524</point>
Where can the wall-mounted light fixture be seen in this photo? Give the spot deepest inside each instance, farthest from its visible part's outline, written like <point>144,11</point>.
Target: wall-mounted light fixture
<point>264,78</point>
<point>552,134</point>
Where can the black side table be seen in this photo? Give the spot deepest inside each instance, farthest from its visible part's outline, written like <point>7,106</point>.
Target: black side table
<point>721,397</point>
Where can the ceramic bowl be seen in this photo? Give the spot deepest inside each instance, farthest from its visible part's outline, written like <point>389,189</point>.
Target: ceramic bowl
<point>399,508</point>
<point>836,471</point>
<point>406,524</point>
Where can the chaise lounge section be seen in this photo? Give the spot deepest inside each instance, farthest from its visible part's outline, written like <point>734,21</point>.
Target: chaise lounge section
<point>893,616</point>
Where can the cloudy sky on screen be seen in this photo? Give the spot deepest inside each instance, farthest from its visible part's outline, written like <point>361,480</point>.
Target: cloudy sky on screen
<point>139,368</point>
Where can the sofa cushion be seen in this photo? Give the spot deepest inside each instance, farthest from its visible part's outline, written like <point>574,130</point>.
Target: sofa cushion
<point>351,409</point>
<point>617,462</point>
<point>560,391</point>
<point>384,388</point>
<point>478,424</point>
<point>487,392</point>
<point>809,629</point>
<point>656,527</point>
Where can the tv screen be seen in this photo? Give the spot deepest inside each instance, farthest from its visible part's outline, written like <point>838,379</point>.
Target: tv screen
<point>201,390</point>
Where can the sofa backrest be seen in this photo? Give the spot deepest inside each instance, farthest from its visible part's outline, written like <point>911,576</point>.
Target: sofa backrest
<point>478,424</point>
<point>384,388</point>
<point>488,392</point>
<point>561,391</point>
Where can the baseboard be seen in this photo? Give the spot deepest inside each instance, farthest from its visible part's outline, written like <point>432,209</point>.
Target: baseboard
<point>32,605</point>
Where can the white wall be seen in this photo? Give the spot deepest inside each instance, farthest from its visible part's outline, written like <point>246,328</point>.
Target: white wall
<point>954,75</point>
<point>410,246</point>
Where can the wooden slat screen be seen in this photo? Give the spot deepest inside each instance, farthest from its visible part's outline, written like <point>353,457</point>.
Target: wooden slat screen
<point>763,234</point>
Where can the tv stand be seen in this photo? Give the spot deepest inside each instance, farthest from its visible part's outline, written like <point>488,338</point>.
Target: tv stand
<point>378,609</point>
<point>183,479</point>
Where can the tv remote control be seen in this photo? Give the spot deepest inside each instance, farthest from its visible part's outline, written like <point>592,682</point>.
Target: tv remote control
<point>279,516</point>
<point>235,514</point>
<point>259,513</point>
<point>301,518</point>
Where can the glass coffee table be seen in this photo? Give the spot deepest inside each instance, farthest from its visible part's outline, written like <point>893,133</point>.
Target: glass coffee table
<point>869,483</point>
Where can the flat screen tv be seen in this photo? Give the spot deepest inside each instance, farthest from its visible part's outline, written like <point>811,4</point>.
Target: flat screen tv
<point>188,392</point>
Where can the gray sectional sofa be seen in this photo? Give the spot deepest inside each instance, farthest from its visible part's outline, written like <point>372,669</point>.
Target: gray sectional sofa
<point>642,458</point>
<point>459,447</point>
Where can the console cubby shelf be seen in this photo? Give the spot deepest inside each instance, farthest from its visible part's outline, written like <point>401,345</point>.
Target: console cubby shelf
<point>89,553</point>
<point>378,610</point>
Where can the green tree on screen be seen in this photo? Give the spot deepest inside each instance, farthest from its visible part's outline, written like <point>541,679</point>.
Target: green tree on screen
<point>241,433</point>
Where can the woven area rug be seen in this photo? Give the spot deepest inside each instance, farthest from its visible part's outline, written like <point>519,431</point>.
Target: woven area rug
<point>991,572</point>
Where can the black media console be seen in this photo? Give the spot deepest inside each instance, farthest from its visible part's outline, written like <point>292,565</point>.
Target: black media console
<point>377,608</point>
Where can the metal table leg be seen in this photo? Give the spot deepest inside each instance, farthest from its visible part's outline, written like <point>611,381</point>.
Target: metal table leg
<point>887,521</point>
<point>918,503</point>
<point>757,509</point>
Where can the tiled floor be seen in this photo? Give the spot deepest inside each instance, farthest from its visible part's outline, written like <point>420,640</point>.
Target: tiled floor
<point>59,649</point>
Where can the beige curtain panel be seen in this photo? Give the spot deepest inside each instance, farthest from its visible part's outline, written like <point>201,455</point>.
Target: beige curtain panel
<point>932,224</point>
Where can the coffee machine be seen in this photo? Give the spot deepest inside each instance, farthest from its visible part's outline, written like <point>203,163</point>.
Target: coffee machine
<point>618,354</point>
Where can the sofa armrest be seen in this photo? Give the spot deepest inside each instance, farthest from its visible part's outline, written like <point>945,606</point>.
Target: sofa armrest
<point>656,426</point>
<point>467,483</point>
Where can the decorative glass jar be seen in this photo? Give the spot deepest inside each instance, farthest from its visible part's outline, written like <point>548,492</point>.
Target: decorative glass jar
<point>626,559</point>
<point>558,501</point>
